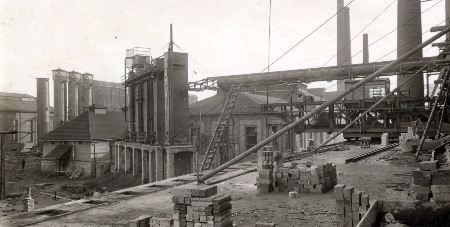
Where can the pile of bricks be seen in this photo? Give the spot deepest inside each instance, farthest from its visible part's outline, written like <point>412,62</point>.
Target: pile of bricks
<point>201,206</point>
<point>422,180</point>
<point>265,171</point>
<point>351,205</point>
<point>161,222</point>
<point>315,179</point>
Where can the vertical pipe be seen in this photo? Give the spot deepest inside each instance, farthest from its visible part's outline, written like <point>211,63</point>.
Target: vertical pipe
<point>347,52</point>
<point>409,35</point>
<point>339,32</point>
<point>65,103</point>
<point>365,48</point>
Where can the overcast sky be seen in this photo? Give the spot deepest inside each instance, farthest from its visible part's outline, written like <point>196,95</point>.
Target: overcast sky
<point>222,37</point>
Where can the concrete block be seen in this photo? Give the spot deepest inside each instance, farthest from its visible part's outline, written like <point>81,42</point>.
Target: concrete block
<point>428,165</point>
<point>340,207</point>
<point>441,197</point>
<point>441,177</point>
<point>348,191</point>
<point>340,220</point>
<point>365,199</point>
<point>161,222</point>
<point>204,190</point>
<point>422,177</point>
<point>339,192</point>
<point>356,197</point>
<point>440,189</point>
<point>421,189</point>
<point>423,196</point>
<point>141,221</point>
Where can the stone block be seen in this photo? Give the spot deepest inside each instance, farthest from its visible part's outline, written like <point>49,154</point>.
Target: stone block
<point>356,197</point>
<point>141,221</point>
<point>440,189</point>
<point>421,189</point>
<point>422,177</point>
<point>423,196</point>
<point>161,222</point>
<point>441,177</point>
<point>428,165</point>
<point>339,192</point>
<point>365,199</point>
<point>348,191</point>
<point>293,194</point>
<point>265,224</point>
<point>340,207</point>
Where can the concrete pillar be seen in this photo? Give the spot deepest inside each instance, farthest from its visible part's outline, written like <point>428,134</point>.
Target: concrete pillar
<point>65,99</point>
<point>74,81</point>
<point>58,105</point>
<point>152,166</point>
<point>339,26</point>
<point>409,36</point>
<point>133,162</point>
<point>145,168</point>
<point>159,164</point>
<point>170,165</point>
<point>365,48</point>
<point>117,159</point>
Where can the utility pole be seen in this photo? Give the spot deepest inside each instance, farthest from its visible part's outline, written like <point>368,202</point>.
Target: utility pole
<point>2,162</point>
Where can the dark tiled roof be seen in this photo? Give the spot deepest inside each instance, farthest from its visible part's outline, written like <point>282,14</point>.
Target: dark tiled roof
<point>90,126</point>
<point>58,151</point>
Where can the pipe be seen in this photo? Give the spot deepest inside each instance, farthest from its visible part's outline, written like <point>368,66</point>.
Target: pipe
<point>340,31</point>
<point>365,48</point>
<point>372,107</point>
<point>323,106</point>
<point>319,74</point>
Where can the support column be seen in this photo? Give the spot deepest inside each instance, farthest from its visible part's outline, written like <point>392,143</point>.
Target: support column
<point>117,159</point>
<point>145,169</point>
<point>133,162</point>
<point>159,165</point>
<point>125,159</point>
<point>170,165</point>
<point>152,166</point>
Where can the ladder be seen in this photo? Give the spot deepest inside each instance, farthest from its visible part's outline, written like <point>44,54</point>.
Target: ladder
<point>217,140</point>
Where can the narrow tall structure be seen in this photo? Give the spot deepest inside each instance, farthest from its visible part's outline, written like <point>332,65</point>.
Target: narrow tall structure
<point>43,111</point>
<point>176,95</point>
<point>409,36</point>
<point>365,48</point>
<point>60,78</point>
<point>343,50</point>
<point>74,82</point>
<point>88,80</point>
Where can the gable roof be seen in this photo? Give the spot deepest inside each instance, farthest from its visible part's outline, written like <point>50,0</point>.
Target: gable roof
<point>18,106</point>
<point>246,102</point>
<point>90,126</point>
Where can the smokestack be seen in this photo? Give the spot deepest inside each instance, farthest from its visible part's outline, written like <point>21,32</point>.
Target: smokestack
<point>74,81</point>
<point>447,16</point>
<point>365,48</point>
<point>339,32</point>
<point>59,79</point>
<point>409,35</point>
<point>43,120</point>
<point>344,50</point>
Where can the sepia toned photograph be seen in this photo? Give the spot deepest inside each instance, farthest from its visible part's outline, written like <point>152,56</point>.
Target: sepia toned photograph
<point>225,113</point>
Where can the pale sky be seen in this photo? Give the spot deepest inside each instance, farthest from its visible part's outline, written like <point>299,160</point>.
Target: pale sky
<point>222,37</point>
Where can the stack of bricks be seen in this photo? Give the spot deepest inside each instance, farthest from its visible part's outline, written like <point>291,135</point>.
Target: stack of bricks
<point>441,185</point>
<point>265,171</point>
<point>422,180</point>
<point>201,206</point>
<point>351,205</point>
<point>161,222</point>
<point>385,139</point>
<point>316,179</point>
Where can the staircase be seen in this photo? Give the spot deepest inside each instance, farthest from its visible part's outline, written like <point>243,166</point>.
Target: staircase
<point>217,140</point>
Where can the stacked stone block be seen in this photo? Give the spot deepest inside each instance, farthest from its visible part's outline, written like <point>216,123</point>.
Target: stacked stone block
<point>422,180</point>
<point>316,179</point>
<point>385,139</point>
<point>199,206</point>
<point>440,187</point>
<point>351,205</point>
<point>161,222</point>
<point>265,171</point>
<point>141,221</point>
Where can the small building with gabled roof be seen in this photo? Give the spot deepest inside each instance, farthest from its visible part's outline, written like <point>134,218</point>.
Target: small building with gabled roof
<point>86,143</point>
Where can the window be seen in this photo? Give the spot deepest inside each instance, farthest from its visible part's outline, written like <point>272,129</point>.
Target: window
<point>195,132</point>
<point>376,92</point>
<point>251,137</point>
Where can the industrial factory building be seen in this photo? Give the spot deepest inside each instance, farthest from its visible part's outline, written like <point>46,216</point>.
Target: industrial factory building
<point>270,148</point>
<point>18,112</point>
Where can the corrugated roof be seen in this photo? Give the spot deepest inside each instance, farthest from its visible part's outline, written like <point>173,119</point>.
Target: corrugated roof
<point>90,126</point>
<point>58,151</point>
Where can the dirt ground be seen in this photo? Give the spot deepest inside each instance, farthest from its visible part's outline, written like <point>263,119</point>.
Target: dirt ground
<point>44,186</point>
